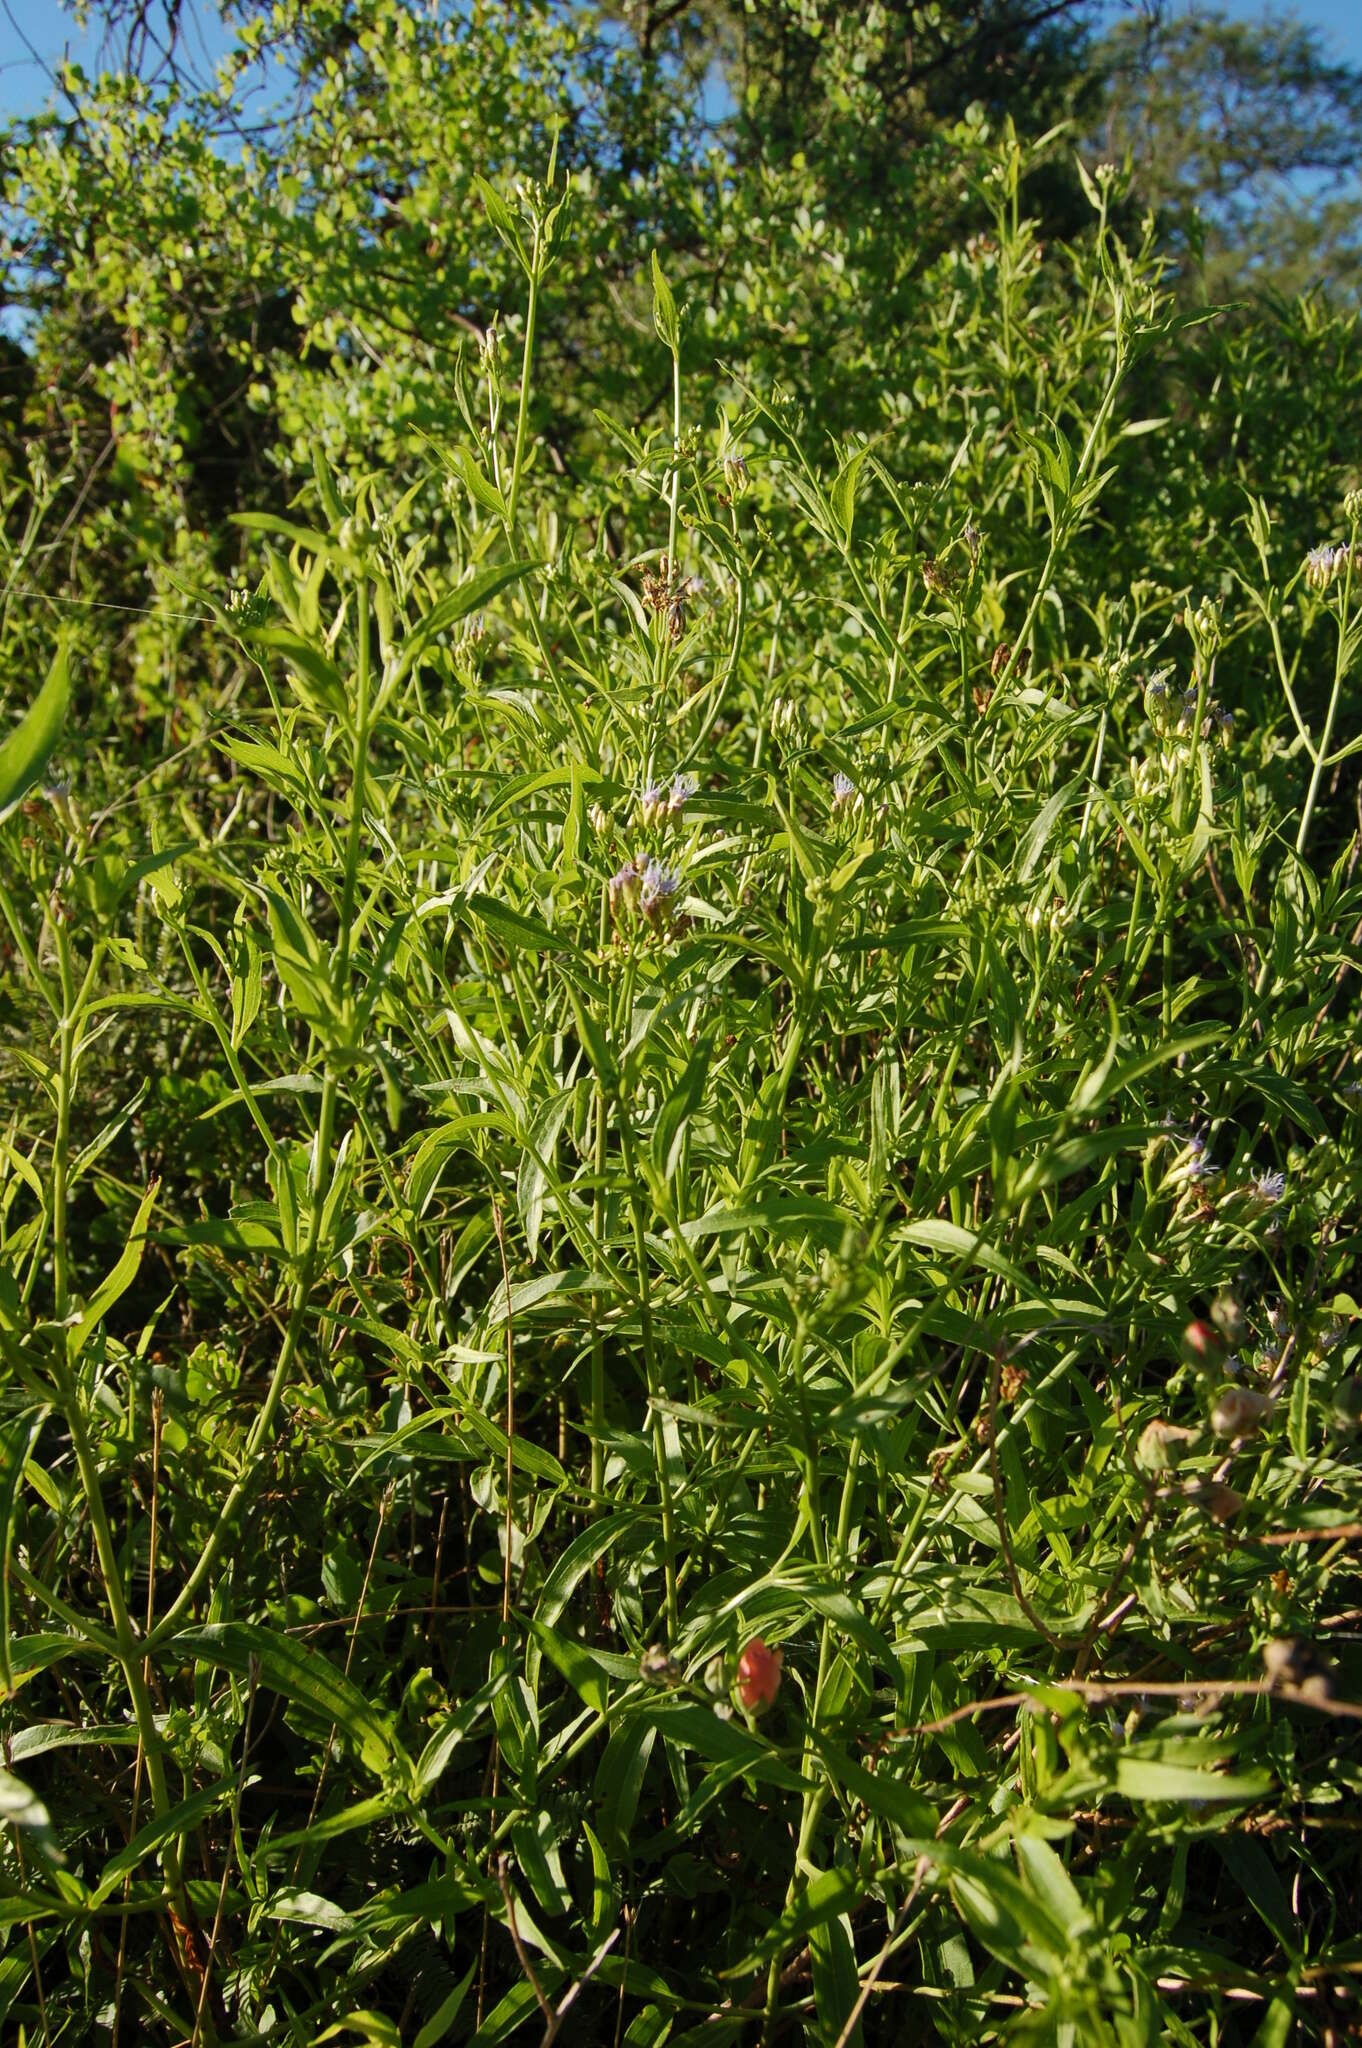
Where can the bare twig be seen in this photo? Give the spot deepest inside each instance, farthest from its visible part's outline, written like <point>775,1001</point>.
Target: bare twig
<point>1341,1532</point>
<point>1229,1688</point>
<point>1112,1618</point>
<point>564,2003</point>
<point>850,2023</point>
<point>522,1953</point>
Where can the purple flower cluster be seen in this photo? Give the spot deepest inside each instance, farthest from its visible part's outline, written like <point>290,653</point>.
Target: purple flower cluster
<point>646,888</point>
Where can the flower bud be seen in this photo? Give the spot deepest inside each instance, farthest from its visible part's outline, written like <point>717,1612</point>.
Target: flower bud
<point>1285,1660</point>
<point>625,887</point>
<point>735,473</point>
<point>1240,1411</point>
<point>1228,1316</point>
<point>1215,1499</point>
<point>1160,1445</point>
<point>658,1667</point>
<point>759,1672</point>
<point>1202,1344</point>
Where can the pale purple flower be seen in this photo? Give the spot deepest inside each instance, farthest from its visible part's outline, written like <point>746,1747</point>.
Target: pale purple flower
<point>683,789</point>
<point>658,882</point>
<point>1201,1166</point>
<point>653,802</point>
<point>843,790</point>
<point>1267,1189</point>
<point>659,886</point>
<point>1319,567</point>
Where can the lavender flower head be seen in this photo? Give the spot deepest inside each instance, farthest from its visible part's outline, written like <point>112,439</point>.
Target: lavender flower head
<point>1319,567</point>
<point>843,791</point>
<point>682,790</point>
<point>659,886</point>
<point>1201,1167</point>
<point>653,802</point>
<point>1267,1189</point>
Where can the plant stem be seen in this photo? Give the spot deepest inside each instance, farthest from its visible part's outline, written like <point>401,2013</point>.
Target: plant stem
<point>675,479</point>
<point>526,358</point>
<point>596,1420</point>
<point>655,1389</point>
<point>1321,753</point>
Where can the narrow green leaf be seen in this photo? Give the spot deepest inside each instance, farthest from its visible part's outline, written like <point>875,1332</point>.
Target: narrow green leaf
<point>577,1665</point>
<point>16,1442</point>
<point>1142,1778</point>
<point>116,1283</point>
<point>664,309</point>
<point>302,1674</point>
<point>25,752</point>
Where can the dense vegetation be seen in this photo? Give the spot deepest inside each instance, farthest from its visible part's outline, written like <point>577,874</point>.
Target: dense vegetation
<point>679,1192</point>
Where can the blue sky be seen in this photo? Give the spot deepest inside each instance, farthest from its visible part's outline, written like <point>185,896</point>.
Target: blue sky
<point>36,34</point>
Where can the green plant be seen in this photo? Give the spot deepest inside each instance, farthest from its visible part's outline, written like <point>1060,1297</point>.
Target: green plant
<point>659,1111</point>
